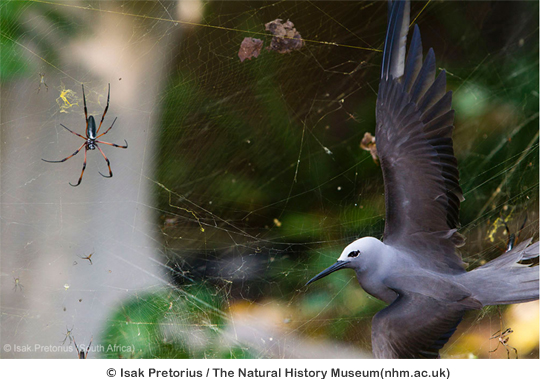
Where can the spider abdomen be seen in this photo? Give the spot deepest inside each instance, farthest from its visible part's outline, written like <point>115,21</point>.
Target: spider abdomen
<point>91,131</point>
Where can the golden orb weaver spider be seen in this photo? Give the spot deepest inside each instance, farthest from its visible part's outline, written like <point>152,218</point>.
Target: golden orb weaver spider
<point>91,141</point>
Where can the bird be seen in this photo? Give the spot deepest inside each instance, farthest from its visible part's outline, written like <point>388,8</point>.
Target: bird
<point>416,269</point>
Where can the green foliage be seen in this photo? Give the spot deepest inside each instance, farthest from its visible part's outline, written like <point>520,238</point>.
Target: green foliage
<point>18,29</point>
<point>13,61</point>
<point>183,323</point>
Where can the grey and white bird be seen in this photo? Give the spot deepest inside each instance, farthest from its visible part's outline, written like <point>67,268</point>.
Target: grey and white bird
<point>415,268</point>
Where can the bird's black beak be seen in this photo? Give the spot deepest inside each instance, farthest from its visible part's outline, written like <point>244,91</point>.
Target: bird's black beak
<point>336,266</point>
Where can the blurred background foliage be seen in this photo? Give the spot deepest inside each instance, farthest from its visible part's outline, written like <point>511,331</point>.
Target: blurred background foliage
<point>14,25</point>
<point>263,182</point>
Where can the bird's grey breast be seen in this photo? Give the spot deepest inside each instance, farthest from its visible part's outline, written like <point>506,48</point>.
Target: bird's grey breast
<point>375,287</point>
<point>387,263</point>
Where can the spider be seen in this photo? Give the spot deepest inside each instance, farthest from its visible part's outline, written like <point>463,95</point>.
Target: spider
<point>502,338</point>
<point>68,335</point>
<point>88,257</point>
<point>17,285</point>
<point>42,81</point>
<point>91,139</point>
<point>81,353</point>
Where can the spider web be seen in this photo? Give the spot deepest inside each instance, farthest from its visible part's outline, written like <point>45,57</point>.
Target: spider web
<point>242,180</point>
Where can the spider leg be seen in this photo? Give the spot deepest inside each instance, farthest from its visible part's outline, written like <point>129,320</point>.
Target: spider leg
<point>108,163</point>
<point>515,350</point>
<point>113,144</point>
<point>102,134</point>
<point>511,238</point>
<point>82,172</point>
<point>90,344</point>
<point>65,159</point>
<point>71,131</point>
<point>105,111</point>
<point>85,110</point>
<point>76,347</point>
<point>508,351</point>
<point>522,226</point>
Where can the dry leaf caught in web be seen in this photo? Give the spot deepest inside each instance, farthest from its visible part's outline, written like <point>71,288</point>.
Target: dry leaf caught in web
<point>286,38</point>
<point>368,144</point>
<point>250,48</point>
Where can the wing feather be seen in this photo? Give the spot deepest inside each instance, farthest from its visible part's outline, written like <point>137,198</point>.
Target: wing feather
<point>398,26</point>
<point>395,336</point>
<point>417,325</point>
<point>425,78</point>
<point>414,60</point>
<point>414,143</point>
<point>434,94</point>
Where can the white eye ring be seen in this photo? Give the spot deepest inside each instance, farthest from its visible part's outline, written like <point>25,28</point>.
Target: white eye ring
<point>354,254</point>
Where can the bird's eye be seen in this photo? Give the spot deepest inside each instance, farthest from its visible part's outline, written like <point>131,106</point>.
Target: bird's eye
<point>353,254</point>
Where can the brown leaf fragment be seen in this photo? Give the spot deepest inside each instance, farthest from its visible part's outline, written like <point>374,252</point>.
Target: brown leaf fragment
<point>286,37</point>
<point>250,48</point>
<point>368,144</point>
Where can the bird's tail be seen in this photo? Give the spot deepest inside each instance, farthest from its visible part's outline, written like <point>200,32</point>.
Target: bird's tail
<point>508,279</point>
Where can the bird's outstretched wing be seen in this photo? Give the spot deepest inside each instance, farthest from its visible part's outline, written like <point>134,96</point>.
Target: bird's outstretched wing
<point>414,144</point>
<point>415,326</point>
